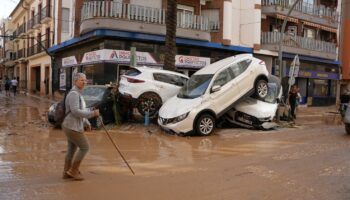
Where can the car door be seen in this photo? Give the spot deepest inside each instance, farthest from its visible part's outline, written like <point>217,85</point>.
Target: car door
<point>244,76</point>
<point>166,85</point>
<point>227,95</point>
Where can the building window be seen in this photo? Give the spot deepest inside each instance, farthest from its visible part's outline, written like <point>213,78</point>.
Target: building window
<point>309,33</point>
<point>185,9</point>
<point>65,19</point>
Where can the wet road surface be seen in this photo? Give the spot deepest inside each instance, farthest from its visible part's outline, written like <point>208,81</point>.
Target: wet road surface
<point>309,161</point>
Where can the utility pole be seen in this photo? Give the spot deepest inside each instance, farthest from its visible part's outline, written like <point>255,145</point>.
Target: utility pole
<point>280,63</point>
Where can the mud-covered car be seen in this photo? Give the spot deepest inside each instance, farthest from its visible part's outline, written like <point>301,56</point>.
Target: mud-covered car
<point>95,96</point>
<point>254,113</point>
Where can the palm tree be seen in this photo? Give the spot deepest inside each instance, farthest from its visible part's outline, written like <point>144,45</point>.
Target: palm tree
<point>170,37</point>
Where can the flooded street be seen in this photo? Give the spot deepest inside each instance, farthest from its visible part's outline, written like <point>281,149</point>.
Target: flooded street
<point>309,161</point>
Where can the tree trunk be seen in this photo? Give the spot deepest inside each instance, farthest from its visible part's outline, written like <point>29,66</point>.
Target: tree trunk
<point>170,37</point>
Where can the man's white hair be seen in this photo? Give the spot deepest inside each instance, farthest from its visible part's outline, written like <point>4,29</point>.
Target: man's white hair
<point>77,76</point>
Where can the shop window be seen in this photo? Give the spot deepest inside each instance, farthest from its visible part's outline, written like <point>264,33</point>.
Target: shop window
<point>183,51</point>
<point>143,47</point>
<point>320,88</point>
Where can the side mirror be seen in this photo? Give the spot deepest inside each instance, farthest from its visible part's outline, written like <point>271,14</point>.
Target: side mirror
<point>216,88</point>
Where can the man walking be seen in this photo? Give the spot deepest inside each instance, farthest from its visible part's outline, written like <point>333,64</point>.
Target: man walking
<point>14,84</point>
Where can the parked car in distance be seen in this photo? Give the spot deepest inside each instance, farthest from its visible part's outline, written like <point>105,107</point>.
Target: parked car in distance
<point>211,92</point>
<point>149,88</point>
<point>254,113</point>
<point>95,96</point>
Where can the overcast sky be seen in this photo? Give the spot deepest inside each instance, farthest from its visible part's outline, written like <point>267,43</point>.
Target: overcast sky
<point>7,7</point>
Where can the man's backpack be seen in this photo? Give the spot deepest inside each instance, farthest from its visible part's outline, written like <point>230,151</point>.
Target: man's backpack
<point>60,112</point>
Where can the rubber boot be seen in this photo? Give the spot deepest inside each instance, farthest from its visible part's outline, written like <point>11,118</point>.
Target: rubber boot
<point>74,171</point>
<point>67,165</point>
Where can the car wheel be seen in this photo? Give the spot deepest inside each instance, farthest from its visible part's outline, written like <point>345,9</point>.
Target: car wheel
<point>347,128</point>
<point>205,125</point>
<point>261,89</point>
<point>150,102</point>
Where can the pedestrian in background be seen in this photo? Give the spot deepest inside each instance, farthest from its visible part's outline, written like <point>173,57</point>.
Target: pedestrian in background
<point>14,84</point>
<point>73,126</point>
<point>7,86</point>
<point>293,93</point>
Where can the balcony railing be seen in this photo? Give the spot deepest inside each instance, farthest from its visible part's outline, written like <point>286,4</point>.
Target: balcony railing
<point>21,53</point>
<point>110,9</point>
<point>30,23</point>
<point>21,29</point>
<point>298,42</point>
<point>316,10</point>
<point>45,12</point>
<point>37,19</point>
<point>37,48</point>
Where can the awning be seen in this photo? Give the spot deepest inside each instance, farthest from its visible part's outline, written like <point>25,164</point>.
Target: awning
<point>291,19</point>
<point>333,30</point>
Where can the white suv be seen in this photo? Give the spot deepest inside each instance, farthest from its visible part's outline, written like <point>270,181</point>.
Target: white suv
<point>149,88</point>
<point>211,92</point>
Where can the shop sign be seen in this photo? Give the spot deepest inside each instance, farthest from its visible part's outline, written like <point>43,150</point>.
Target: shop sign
<point>69,61</point>
<point>319,75</point>
<point>63,79</point>
<point>191,61</point>
<point>119,56</point>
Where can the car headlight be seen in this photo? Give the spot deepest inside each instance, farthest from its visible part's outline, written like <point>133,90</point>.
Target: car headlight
<point>173,120</point>
<point>180,118</point>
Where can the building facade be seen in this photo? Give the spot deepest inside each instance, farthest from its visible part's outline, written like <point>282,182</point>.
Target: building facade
<point>312,32</point>
<point>102,26</point>
<point>33,27</point>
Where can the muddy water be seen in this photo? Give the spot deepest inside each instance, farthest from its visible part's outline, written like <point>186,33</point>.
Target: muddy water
<point>231,164</point>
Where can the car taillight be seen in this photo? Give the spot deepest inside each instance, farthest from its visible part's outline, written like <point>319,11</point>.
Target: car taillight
<point>133,80</point>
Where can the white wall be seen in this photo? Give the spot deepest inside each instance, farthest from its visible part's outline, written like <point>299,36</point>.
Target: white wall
<point>245,23</point>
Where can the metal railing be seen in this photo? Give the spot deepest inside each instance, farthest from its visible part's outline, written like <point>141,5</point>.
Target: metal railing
<point>21,53</point>
<point>311,9</point>
<point>21,29</point>
<point>37,19</point>
<point>298,42</point>
<point>37,48</point>
<point>45,12</point>
<point>110,9</point>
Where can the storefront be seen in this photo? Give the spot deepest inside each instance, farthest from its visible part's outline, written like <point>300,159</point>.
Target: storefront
<point>188,65</point>
<point>317,83</point>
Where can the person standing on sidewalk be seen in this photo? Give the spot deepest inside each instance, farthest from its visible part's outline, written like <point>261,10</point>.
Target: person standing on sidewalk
<point>73,126</point>
<point>14,84</point>
<point>293,93</point>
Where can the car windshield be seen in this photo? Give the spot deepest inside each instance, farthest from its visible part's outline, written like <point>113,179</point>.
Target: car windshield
<point>195,86</point>
<point>93,93</point>
<point>272,93</point>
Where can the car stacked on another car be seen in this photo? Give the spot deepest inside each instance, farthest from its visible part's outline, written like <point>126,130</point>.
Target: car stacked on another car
<point>96,97</point>
<point>258,114</point>
<point>211,92</point>
<point>149,88</point>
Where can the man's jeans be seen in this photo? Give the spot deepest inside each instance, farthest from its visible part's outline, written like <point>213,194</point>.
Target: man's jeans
<point>76,139</point>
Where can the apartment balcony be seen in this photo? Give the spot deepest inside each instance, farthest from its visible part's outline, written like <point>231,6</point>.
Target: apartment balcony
<point>299,45</point>
<point>30,26</point>
<point>318,14</point>
<point>46,15</point>
<point>136,18</point>
<point>21,54</point>
<point>21,30</point>
<point>38,48</point>
<point>36,22</point>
